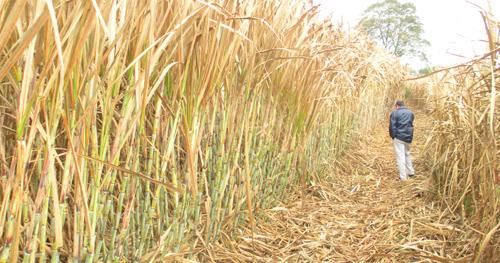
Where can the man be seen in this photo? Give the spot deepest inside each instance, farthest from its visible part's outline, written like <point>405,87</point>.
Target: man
<point>401,132</point>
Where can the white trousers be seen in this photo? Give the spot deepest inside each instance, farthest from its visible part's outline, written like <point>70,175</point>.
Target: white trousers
<point>403,158</point>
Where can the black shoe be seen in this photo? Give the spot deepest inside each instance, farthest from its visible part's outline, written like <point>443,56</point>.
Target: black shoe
<point>411,175</point>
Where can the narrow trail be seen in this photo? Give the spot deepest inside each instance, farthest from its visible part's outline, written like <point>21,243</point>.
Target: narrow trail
<point>360,213</point>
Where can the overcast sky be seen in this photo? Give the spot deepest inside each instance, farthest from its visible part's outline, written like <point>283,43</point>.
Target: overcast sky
<point>453,27</point>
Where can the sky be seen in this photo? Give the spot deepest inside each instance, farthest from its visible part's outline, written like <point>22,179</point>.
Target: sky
<point>454,28</point>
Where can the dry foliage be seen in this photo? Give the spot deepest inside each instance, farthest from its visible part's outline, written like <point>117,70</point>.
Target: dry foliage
<point>360,213</point>
<point>464,146</point>
<point>142,130</point>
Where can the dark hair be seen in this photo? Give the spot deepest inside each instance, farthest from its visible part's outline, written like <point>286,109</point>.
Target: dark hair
<point>399,103</point>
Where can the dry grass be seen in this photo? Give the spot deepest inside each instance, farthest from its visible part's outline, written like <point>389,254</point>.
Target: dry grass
<point>464,146</point>
<point>142,130</point>
<point>155,130</point>
<point>361,213</point>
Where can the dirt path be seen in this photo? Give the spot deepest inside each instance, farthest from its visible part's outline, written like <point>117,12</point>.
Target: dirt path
<point>361,213</point>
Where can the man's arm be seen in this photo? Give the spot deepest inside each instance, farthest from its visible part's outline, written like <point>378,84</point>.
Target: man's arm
<point>392,124</point>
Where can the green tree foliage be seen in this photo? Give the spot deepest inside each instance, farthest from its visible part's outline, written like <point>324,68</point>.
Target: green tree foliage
<point>396,27</point>
<point>426,70</point>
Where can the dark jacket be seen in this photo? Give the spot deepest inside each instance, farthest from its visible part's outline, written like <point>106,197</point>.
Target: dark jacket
<point>401,124</point>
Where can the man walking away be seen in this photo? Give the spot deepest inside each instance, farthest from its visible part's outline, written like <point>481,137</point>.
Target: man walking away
<point>401,132</point>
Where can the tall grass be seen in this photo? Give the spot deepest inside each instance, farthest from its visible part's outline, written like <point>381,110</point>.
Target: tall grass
<point>141,130</point>
<point>464,146</point>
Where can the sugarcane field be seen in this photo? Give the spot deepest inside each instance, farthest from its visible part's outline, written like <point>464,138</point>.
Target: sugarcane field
<point>249,131</point>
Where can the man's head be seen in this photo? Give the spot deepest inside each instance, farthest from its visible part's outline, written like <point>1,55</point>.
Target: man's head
<point>399,103</point>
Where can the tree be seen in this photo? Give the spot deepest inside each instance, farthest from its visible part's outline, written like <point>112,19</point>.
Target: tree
<point>425,71</point>
<point>396,27</point>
